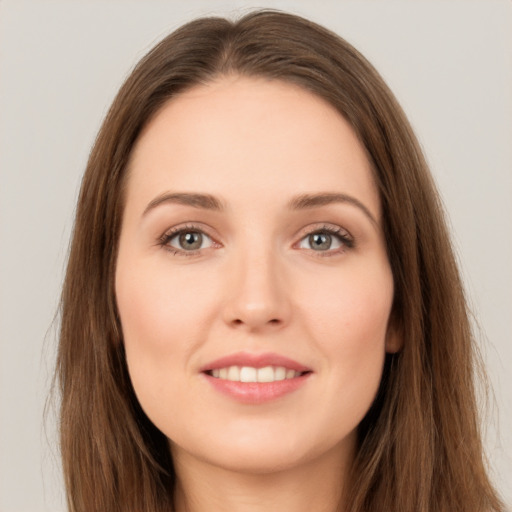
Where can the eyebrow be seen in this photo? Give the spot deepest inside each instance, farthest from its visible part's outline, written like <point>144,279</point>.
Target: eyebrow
<point>301,202</point>
<point>204,201</point>
<point>305,201</point>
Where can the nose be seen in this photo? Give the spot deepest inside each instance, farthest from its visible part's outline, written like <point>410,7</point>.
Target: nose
<point>257,295</point>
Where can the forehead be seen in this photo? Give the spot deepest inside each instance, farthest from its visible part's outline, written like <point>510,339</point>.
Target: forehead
<point>241,137</point>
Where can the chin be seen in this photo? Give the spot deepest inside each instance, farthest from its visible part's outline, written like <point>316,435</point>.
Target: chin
<point>255,461</point>
<point>261,452</point>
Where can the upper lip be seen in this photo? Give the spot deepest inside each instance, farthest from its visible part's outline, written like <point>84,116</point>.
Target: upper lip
<point>255,361</point>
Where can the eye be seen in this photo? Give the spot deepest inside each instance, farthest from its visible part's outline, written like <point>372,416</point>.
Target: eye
<point>326,240</point>
<point>187,240</point>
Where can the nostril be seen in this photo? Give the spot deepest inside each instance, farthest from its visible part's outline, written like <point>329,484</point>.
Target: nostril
<point>273,321</point>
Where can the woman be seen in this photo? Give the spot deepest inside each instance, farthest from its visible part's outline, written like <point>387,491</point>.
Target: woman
<point>262,308</point>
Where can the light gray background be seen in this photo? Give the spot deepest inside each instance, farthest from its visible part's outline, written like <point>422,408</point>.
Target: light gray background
<point>61,62</point>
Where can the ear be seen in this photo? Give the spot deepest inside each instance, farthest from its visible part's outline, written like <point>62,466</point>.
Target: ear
<point>394,336</point>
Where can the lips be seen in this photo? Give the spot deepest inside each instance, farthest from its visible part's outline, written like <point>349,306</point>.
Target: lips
<point>242,359</point>
<point>255,378</point>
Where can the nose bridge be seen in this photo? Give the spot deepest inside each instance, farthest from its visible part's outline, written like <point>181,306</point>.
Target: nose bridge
<point>257,294</point>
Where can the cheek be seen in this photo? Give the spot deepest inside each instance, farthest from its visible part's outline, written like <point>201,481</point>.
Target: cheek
<point>349,322</point>
<point>160,309</point>
<point>351,309</point>
<point>163,318</point>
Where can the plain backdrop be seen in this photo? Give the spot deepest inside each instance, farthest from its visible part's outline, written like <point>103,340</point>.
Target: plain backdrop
<point>61,63</point>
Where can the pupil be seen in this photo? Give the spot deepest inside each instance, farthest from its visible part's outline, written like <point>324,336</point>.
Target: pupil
<point>191,240</point>
<point>320,241</point>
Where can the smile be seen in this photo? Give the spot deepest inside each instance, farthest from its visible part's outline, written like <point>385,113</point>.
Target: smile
<point>255,378</point>
<point>251,374</point>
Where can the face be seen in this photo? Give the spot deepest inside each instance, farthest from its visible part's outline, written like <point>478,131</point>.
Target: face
<point>252,280</point>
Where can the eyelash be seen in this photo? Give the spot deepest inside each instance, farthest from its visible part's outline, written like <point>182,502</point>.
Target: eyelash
<point>343,237</point>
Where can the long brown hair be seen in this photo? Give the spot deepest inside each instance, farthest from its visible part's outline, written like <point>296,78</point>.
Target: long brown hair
<point>419,445</point>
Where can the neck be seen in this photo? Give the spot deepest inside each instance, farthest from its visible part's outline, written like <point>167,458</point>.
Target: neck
<point>316,485</point>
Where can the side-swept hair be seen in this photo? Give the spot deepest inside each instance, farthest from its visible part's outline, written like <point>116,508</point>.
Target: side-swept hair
<point>419,447</point>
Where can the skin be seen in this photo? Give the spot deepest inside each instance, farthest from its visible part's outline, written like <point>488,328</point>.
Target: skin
<point>257,284</point>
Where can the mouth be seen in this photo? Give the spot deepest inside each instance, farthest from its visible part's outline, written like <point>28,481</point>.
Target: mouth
<point>256,378</point>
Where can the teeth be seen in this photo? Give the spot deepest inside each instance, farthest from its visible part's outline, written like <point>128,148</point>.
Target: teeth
<point>280,373</point>
<point>266,374</point>
<point>250,374</point>
<point>234,373</point>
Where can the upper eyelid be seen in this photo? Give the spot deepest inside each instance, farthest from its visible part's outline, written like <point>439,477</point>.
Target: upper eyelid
<point>334,229</point>
<point>170,232</point>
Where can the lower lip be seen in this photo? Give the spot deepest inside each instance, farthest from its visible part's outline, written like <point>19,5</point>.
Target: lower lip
<point>257,392</point>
